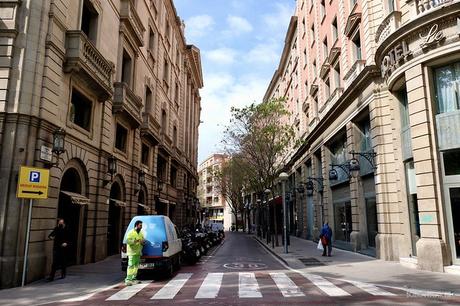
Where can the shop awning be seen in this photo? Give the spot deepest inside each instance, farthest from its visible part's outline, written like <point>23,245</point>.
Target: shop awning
<point>118,202</point>
<point>163,200</point>
<point>76,198</point>
<point>145,207</point>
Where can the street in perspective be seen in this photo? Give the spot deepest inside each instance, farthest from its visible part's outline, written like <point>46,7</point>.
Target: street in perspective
<point>234,152</point>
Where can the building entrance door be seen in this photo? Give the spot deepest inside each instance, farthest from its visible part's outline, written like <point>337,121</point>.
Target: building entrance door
<point>371,218</point>
<point>114,221</point>
<point>343,221</point>
<point>453,204</point>
<point>72,215</point>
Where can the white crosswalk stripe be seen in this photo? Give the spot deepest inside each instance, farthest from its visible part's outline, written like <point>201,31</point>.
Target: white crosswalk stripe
<point>210,287</point>
<point>287,287</point>
<point>371,289</point>
<point>248,286</point>
<point>127,292</point>
<point>170,290</point>
<point>325,285</point>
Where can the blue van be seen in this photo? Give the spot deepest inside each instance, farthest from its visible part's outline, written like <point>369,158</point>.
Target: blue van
<point>162,248</point>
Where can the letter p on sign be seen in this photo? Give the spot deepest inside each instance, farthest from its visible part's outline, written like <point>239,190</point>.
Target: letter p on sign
<point>34,177</point>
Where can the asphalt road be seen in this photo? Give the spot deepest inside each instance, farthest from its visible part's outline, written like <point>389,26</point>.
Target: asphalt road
<point>241,272</point>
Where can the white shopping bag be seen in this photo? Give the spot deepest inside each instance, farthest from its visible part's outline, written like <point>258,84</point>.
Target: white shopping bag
<point>320,245</point>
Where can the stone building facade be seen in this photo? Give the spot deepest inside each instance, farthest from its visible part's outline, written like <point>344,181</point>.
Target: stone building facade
<point>213,204</point>
<point>119,78</point>
<point>379,157</point>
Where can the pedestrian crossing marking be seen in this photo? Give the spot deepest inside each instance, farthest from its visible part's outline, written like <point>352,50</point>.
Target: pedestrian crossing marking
<point>371,289</point>
<point>325,285</point>
<point>127,292</point>
<point>210,287</point>
<point>248,286</point>
<point>287,287</point>
<point>170,290</point>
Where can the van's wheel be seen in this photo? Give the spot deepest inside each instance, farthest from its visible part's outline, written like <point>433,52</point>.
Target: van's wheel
<point>170,270</point>
<point>177,263</point>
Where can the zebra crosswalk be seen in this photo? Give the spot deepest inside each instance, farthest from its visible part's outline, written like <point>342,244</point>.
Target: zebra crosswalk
<point>247,285</point>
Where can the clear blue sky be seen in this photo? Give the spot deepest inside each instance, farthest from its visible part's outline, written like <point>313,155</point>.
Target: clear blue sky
<point>241,42</point>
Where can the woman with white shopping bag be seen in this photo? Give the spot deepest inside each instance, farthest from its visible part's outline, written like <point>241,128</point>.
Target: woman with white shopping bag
<point>326,239</point>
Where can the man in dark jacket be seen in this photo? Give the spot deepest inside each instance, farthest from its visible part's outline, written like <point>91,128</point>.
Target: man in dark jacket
<point>61,244</point>
<point>326,239</point>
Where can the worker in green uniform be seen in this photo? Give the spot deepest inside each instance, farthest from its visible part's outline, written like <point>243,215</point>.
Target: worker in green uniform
<point>135,242</point>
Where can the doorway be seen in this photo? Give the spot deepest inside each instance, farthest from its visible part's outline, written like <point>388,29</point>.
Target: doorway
<point>371,218</point>
<point>141,204</point>
<point>454,226</point>
<point>114,220</point>
<point>73,215</point>
<point>310,218</point>
<point>343,221</point>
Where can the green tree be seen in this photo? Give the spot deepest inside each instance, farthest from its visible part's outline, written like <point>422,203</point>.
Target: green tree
<point>261,136</point>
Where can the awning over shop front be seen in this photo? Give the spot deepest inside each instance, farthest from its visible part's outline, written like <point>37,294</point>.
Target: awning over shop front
<point>145,207</point>
<point>118,202</point>
<point>163,200</point>
<point>76,198</point>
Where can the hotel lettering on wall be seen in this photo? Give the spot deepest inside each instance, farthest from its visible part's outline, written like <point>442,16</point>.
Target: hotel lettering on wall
<point>394,58</point>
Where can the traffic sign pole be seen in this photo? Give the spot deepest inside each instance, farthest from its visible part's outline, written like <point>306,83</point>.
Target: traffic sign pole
<point>26,249</point>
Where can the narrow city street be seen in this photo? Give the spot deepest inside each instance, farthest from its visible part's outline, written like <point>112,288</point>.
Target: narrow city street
<point>241,271</point>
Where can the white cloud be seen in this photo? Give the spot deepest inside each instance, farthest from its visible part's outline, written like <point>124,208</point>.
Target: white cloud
<point>223,56</point>
<point>220,93</point>
<point>238,24</point>
<point>264,53</point>
<point>279,20</point>
<point>198,26</point>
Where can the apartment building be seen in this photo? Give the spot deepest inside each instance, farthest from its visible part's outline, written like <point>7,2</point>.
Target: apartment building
<point>105,94</point>
<point>379,116</point>
<point>213,204</point>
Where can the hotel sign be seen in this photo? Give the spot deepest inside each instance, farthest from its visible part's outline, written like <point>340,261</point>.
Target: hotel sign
<point>394,58</point>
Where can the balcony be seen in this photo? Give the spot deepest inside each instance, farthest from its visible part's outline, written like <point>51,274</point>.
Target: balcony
<point>131,24</point>
<point>127,103</point>
<point>89,64</point>
<point>425,6</point>
<point>353,21</point>
<point>447,126</point>
<point>150,128</point>
<point>313,87</point>
<point>354,71</point>
<point>331,100</point>
<point>334,53</point>
<point>390,24</point>
<point>323,72</point>
<point>305,106</point>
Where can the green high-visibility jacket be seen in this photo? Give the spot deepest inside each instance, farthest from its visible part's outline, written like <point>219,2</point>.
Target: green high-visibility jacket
<point>134,247</point>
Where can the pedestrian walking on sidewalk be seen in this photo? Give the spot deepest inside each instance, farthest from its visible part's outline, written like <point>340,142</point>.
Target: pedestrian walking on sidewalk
<point>135,241</point>
<point>60,235</point>
<point>326,239</point>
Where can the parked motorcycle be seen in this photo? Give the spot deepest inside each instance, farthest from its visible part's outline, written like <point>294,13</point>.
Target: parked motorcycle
<point>190,249</point>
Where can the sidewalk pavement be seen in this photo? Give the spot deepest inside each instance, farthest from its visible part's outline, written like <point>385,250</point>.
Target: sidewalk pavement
<point>358,267</point>
<point>81,280</point>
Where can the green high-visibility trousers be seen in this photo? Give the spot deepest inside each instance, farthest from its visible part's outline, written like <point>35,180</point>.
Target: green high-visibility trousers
<point>133,266</point>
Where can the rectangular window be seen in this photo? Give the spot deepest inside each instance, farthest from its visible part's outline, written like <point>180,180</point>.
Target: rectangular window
<point>166,71</point>
<point>314,69</point>
<point>80,110</point>
<point>404,107</point>
<point>151,40</point>
<point>305,57</point>
<point>391,6</point>
<point>164,122</point>
<point>335,30</point>
<point>148,101</point>
<point>175,136</point>
<point>89,18</point>
<point>312,33</point>
<point>145,154</point>
<point>447,82</point>
<point>357,47</point>
<point>336,72</point>
<point>451,162</point>
<point>325,49</point>
<point>121,138</point>
<point>327,88</point>
<point>173,176</point>
<point>323,9</point>
<point>126,69</point>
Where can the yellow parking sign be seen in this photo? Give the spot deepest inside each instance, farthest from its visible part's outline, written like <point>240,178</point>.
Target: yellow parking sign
<point>33,183</point>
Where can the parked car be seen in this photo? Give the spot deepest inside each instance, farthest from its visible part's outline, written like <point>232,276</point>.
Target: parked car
<point>163,246</point>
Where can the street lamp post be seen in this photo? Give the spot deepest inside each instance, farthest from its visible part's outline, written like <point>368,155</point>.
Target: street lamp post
<point>269,232</point>
<point>283,177</point>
